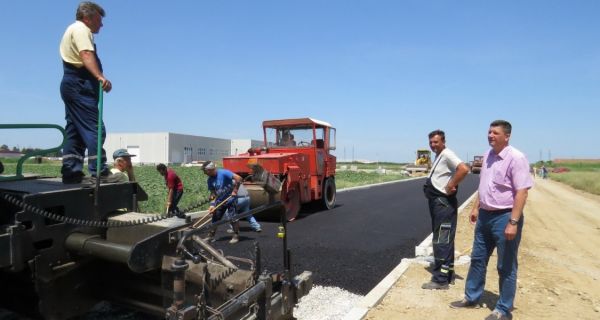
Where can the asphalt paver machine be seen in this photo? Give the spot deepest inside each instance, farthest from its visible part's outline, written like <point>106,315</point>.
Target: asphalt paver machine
<point>64,248</point>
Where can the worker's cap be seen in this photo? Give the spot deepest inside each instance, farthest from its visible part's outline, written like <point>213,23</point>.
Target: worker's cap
<point>208,165</point>
<point>121,153</point>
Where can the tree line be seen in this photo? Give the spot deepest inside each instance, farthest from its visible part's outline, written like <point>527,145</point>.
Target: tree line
<point>25,150</point>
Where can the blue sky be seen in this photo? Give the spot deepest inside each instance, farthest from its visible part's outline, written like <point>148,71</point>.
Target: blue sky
<point>384,73</point>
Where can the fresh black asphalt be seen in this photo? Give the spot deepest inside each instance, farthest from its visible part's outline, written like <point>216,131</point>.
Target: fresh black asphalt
<point>356,244</point>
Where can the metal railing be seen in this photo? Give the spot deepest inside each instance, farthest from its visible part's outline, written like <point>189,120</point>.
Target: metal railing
<point>19,171</point>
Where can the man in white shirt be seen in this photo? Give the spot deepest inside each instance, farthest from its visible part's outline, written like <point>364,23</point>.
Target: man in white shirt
<point>440,190</point>
<point>79,90</point>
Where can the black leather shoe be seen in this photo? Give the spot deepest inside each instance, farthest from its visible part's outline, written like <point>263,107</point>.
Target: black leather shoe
<point>497,315</point>
<point>464,303</point>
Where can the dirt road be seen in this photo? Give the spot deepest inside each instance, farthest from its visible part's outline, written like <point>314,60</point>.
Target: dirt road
<point>559,265</point>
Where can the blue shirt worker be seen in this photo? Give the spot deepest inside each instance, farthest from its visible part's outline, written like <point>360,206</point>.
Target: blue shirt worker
<point>79,90</point>
<point>223,186</point>
<point>504,184</point>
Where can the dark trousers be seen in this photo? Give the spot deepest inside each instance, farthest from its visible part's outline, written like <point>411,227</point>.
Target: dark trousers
<point>173,209</point>
<point>80,95</point>
<point>443,211</point>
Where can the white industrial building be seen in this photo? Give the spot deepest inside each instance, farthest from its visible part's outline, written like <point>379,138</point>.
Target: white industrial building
<point>174,148</point>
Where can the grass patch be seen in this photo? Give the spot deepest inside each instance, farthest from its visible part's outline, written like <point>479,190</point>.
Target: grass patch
<point>373,166</point>
<point>584,175</point>
<point>347,179</point>
<point>588,181</point>
<point>46,168</point>
<point>194,188</point>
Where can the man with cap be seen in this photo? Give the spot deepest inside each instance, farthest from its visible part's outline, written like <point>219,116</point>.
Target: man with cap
<point>122,168</point>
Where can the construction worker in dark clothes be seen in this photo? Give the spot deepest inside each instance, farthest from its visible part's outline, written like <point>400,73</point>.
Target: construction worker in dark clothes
<point>79,90</point>
<point>440,190</point>
<point>175,186</point>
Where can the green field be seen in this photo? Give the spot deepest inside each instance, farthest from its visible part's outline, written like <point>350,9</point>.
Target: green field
<point>195,190</point>
<point>347,179</point>
<point>152,182</point>
<point>373,165</point>
<point>584,176</point>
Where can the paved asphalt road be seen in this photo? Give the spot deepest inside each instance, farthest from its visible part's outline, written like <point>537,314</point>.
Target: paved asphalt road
<point>356,244</point>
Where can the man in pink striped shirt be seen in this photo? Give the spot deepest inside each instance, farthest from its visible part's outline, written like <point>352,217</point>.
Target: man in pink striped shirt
<point>498,214</point>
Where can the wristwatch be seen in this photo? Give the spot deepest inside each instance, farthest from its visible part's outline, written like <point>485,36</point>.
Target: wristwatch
<point>513,221</point>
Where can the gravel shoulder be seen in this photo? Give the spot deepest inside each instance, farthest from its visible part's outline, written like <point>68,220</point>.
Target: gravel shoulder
<point>559,265</point>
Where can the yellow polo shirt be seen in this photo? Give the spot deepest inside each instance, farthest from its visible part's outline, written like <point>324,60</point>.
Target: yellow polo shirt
<point>77,37</point>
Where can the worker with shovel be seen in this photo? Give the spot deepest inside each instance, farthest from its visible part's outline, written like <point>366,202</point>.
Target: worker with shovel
<point>175,187</point>
<point>223,186</point>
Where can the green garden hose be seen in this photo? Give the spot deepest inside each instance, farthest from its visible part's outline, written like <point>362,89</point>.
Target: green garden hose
<point>99,148</point>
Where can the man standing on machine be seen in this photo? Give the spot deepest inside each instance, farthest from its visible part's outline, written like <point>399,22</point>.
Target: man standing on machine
<point>79,90</point>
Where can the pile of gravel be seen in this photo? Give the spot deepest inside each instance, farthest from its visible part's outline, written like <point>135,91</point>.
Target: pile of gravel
<point>325,303</point>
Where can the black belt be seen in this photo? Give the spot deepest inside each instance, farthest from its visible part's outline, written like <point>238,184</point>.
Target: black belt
<point>499,211</point>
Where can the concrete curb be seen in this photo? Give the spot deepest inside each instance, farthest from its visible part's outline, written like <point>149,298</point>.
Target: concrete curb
<point>383,287</point>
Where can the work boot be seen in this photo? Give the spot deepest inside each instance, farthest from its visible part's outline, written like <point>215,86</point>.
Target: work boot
<point>464,303</point>
<point>497,315</point>
<point>230,231</point>
<point>235,239</point>
<point>211,236</point>
<point>431,285</point>
<point>258,230</point>
<point>74,178</point>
